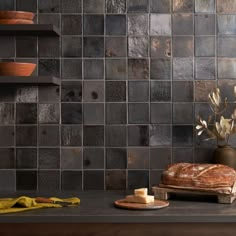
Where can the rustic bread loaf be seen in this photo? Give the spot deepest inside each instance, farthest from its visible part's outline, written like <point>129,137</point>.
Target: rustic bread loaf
<point>199,175</point>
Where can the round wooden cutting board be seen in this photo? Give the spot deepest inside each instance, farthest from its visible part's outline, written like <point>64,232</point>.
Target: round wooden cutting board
<point>157,204</point>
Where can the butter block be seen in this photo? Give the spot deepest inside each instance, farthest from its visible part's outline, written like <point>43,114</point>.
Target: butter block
<point>141,192</point>
<point>139,199</point>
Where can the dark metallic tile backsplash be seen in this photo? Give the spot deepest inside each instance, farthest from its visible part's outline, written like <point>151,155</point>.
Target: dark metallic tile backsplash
<point>135,75</point>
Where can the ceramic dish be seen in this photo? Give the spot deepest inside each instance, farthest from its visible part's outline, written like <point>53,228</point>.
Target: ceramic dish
<point>15,21</point>
<point>16,15</point>
<point>16,69</point>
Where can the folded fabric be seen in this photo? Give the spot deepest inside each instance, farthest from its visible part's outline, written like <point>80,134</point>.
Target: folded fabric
<point>23,203</point>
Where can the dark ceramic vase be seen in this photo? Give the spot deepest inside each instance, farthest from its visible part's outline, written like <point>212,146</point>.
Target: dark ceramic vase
<point>225,155</point>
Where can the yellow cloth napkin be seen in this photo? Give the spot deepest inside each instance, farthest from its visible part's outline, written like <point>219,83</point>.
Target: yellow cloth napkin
<point>23,203</point>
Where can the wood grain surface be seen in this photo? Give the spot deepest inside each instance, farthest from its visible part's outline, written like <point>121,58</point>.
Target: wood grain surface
<point>157,204</point>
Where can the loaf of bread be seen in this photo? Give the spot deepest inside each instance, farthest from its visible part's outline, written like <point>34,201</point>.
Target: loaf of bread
<point>199,175</point>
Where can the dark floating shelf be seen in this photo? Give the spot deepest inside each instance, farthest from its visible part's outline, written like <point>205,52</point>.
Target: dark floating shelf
<point>34,29</point>
<point>24,80</point>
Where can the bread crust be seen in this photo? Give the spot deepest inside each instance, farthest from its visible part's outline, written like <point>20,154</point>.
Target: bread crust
<point>199,175</point>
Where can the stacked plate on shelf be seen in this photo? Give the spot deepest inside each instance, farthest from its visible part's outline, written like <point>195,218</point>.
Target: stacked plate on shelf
<point>16,17</point>
<point>15,68</point>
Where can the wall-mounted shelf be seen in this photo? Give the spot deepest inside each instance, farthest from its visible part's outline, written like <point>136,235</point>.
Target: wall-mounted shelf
<point>27,30</point>
<point>24,80</point>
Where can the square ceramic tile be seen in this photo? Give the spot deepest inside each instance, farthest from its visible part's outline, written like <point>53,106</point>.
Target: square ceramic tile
<point>160,158</point>
<point>182,135</point>
<point>93,113</point>
<point>7,113</point>
<point>161,113</point>
<point>71,135</point>
<point>115,136</point>
<point>93,135</point>
<point>160,46</point>
<point>225,24</point>
<point>48,113</point>
<point>226,46</point>
<point>26,113</point>
<point>48,47</point>
<point>26,180</point>
<point>51,6</point>
<point>182,24</point>
<point>116,69</point>
<point>205,24</point>
<point>93,91</point>
<point>226,68</point>
<point>26,158</point>
<point>115,24</point>
<point>183,46</point>
<point>49,180</point>
<point>93,25</point>
<point>71,113</point>
<point>205,68</point>
<point>138,69</point>
<point>138,158</point>
<point>115,179</point>
<point>8,160</point>
<point>161,6</point>
<point>116,6</point>
<point>116,158</point>
<point>182,155</point>
<point>48,94</point>
<point>93,158</point>
<point>138,46</point>
<point>137,179</point>
<point>182,68</point>
<point>93,69</point>
<point>71,46</point>
<point>138,24</point>
<point>226,88</point>
<point>182,113</point>
<point>93,46</point>
<point>48,135</point>
<point>7,5</point>
<point>205,46</point>
<point>160,69</point>
<point>160,91</point>
<point>71,158</point>
<point>72,6</point>
<point>22,132</point>
<point>182,91</point>
<point>49,67</point>
<point>202,88</point>
<point>26,46</point>
<point>49,158</point>
<point>160,135</point>
<point>94,6</point>
<point>138,91</point>
<point>183,6</point>
<point>205,6</point>
<point>71,91</point>
<point>138,135</point>
<point>160,24</point>
<point>8,180</point>
<point>116,113</point>
<point>115,91</point>
<point>138,113</point>
<point>7,47</point>
<point>90,176</point>
<point>226,6</point>
<point>116,46</point>
<point>71,24</point>
<point>137,5</point>
<point>71,180</point>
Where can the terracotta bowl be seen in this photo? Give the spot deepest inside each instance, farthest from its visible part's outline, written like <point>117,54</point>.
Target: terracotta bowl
<point>16,69</point>
<point>15,21</point>
<point>23,15</point>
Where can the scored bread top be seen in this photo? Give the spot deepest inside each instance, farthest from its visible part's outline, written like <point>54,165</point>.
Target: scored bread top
<point>199,175</point>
